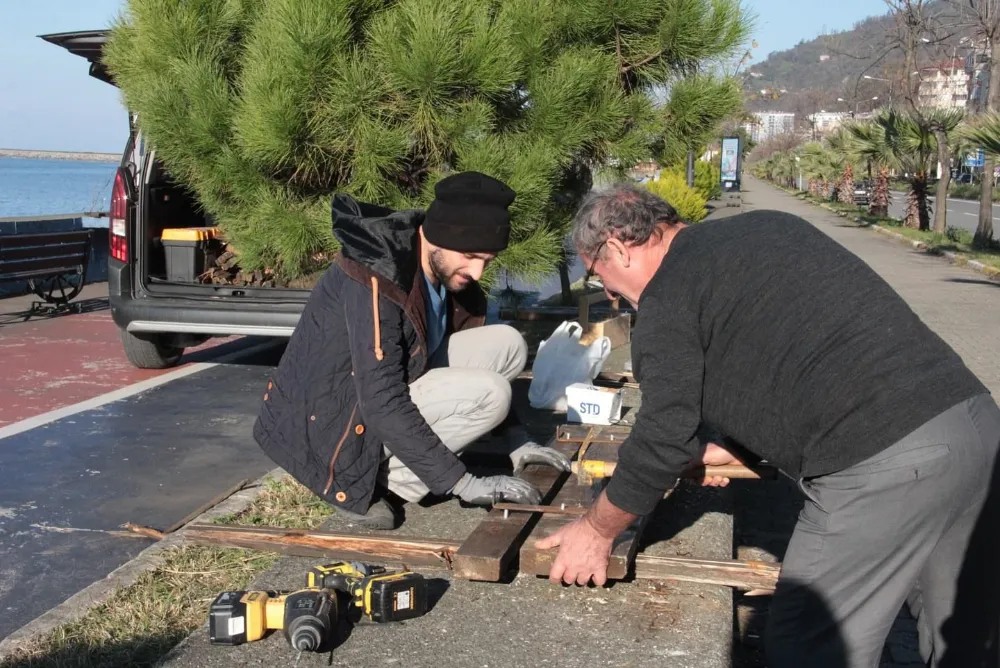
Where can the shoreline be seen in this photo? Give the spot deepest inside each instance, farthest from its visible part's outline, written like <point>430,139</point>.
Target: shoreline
<point>77,156</point>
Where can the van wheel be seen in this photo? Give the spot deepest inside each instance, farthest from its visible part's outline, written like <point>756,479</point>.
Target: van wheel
<point>150,351</point>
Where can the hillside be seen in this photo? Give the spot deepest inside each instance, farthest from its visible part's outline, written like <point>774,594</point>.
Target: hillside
<point>815,72</point>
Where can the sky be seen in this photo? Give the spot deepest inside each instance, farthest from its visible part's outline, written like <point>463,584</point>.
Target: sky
<point>49,102</point>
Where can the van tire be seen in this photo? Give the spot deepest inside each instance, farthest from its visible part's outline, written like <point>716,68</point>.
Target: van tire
<point>150,351</point>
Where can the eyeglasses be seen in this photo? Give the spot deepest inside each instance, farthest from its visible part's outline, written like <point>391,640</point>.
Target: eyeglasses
<point>597,255</point>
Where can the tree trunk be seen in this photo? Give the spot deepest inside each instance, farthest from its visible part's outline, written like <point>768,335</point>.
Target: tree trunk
<point>880,194</point>
<point>917,215</point>
<point>567,293</point>
<point>941,196</point>
<point>847,186</point>
<point>984,232</point>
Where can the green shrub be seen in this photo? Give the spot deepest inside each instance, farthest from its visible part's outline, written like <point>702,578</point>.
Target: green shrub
<point>673,188</point>
<point>969,191</point>
<point>706,178</point>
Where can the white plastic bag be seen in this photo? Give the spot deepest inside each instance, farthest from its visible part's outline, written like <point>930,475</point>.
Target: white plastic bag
<point>562,361</point>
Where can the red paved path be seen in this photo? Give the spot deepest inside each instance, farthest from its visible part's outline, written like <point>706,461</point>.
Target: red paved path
<point>51,362</point>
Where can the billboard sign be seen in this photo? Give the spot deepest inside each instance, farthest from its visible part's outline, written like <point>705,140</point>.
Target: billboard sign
<point>730,158</point>
<point>730,164</point>
<point>974,160</point>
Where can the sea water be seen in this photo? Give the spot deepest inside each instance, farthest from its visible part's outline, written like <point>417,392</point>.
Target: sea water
<point>50,187</point>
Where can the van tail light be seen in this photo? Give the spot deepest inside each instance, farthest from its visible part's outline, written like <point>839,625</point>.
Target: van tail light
<point>118,225</point>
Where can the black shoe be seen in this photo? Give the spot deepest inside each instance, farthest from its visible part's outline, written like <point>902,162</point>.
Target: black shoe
<point>379,516</point>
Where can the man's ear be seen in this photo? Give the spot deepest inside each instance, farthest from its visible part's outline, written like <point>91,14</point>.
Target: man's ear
<point>616,247</point>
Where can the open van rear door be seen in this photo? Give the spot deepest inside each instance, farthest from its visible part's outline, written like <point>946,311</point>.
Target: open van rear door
<point>87,44</point>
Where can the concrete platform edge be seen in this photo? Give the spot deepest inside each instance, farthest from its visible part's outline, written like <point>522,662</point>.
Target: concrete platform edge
<point>75,607</point>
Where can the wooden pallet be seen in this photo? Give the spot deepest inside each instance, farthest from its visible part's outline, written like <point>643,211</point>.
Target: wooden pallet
<point>489,551</point>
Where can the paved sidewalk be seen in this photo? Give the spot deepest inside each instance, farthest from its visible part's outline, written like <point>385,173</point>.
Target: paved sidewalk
<point>957,303</point>
<point>962,306</point>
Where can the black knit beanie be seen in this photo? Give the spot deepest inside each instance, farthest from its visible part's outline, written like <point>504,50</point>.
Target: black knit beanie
<point>469,214</point>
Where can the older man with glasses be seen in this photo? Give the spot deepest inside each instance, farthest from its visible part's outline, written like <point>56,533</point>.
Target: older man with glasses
<point>765,329</point>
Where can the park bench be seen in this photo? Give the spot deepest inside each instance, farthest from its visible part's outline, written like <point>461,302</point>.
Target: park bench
<point>53,263</point>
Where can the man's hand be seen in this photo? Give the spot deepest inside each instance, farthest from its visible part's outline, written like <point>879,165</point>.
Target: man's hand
<point>583,554</point>
<point>495,489</point>
<point>585,545</point>
<point>532,453</point>
<point>714,455</point>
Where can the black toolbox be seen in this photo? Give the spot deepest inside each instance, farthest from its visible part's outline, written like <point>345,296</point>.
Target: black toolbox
<point>190,251</point>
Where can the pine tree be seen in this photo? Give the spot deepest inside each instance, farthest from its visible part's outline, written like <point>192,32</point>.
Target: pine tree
<point>264,108</point>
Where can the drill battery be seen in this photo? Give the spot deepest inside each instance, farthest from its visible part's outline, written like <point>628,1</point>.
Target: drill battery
<point>377,593</point>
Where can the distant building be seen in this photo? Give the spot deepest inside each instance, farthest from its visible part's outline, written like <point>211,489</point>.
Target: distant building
<point>824,58</point>
<point>977,67</point>
<point>824,122</point>
<point>944,86</point>
<point>767,124</point>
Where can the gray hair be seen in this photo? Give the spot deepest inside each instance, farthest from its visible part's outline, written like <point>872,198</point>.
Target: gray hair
<point>624,211</point>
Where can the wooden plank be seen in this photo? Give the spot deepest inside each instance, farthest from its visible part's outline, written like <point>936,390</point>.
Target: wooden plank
<point>568,433</point>
<point>55,264</point>
<point>539,562</point>
<point>324,545</point>
<point>44,238</point>
<point>618,329</point>
<point>73,250</point>
<point>604,443</point>
<point>747,575</point>
<point>488,551</point>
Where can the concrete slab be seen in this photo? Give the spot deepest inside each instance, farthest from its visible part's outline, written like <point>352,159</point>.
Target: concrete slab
<point>150,459</point>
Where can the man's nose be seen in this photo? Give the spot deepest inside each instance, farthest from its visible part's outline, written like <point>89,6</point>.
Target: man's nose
<point>475,269</point>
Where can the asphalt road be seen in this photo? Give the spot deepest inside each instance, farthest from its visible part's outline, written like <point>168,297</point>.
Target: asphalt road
<point>151,459</point>
<point>961,213</point>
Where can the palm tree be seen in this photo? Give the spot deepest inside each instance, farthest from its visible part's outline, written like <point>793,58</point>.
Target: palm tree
<point>986,133</point>
<point>942,123</point>
<point>871,145</point>
<point>817,164</point>
<point>840,148</point>
<point>902,141</point>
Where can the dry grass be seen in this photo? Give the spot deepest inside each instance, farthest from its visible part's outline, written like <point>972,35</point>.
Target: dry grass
<point>140,623</point>
<point>282,503</point>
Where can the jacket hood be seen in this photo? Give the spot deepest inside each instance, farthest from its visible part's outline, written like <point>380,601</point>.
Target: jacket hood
<point>383,240</point>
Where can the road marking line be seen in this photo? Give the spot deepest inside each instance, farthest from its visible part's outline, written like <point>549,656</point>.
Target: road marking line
<point>130,391</point>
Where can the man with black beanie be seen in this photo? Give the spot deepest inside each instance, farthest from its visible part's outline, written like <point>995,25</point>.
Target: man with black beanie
<point>391,370</point>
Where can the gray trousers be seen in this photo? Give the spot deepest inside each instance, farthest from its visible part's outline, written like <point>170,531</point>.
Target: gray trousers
<point>898,527</point>
<point>464,395</point>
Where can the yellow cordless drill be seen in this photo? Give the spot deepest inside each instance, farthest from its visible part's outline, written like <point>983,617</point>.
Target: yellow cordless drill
<point>306,616</point>
<point>379,594</point>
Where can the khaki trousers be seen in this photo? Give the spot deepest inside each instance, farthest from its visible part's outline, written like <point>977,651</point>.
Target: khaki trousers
<point>464,395</point>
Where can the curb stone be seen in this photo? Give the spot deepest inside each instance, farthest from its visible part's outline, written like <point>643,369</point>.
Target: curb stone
<point>76,606</point>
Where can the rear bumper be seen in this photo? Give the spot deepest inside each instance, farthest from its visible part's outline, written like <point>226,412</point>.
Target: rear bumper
<point>211,317</point>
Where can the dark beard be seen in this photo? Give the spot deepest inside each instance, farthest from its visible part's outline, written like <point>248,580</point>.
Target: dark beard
<point>442,277</point>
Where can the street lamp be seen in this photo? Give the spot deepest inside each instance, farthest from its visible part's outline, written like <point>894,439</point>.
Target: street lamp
<point>799,161</point>
<point>871,78</point>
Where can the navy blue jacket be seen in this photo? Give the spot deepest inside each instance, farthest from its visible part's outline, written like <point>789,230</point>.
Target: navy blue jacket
<point>341,390</point>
